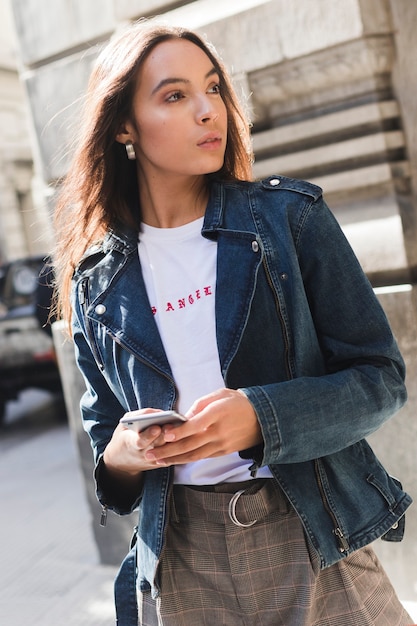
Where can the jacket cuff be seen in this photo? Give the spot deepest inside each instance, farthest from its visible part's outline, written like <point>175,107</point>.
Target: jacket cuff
<point>111,494</point>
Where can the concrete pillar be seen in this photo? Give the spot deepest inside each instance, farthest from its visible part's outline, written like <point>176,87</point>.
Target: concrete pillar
<point>404,17</point>
<point>395,443</point>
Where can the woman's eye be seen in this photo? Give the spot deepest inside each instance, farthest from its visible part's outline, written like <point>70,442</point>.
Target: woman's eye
<point>174,97</point>
<point>215,88</point>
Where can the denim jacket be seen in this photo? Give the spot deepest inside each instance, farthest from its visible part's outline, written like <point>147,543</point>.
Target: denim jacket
<point>299,330</point>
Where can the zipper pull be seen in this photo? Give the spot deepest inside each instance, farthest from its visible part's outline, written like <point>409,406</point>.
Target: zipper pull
<point>82,292</point>
<point>254,469</point>
<point>343,544</point>
<point>103,518</point>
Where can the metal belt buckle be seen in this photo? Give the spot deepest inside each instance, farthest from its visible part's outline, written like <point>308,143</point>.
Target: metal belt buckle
<point>232,510</point>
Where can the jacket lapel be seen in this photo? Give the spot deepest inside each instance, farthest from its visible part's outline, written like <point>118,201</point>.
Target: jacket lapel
<point>238,261</point>
<point>134,327</point>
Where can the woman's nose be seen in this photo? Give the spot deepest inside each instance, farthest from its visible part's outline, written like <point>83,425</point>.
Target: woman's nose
<point>206,110</point>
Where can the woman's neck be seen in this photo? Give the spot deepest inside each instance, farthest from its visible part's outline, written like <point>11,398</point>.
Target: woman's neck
<point>172,203</point>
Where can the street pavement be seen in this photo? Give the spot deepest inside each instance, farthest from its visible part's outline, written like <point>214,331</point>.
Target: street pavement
<point>50,574</point>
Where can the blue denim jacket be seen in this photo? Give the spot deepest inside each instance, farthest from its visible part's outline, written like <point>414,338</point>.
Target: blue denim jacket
<point>299,330</point>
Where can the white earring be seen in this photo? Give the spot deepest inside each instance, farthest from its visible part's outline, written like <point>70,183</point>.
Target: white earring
<point>130,151</point>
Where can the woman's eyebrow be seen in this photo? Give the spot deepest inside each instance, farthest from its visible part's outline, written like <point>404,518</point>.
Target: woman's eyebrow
<point>173,80</point>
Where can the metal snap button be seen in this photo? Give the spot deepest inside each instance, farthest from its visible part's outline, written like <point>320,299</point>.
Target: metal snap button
<point>100,309</point>
<point>255,246</point>
<point>274,182</point>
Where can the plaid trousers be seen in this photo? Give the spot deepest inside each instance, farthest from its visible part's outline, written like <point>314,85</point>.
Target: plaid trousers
<point>218,568</point>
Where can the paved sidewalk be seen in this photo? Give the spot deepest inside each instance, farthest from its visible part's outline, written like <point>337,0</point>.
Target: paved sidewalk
<point>49,568</point>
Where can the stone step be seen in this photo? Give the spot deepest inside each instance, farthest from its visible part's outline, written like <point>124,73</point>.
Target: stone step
<point>340,151</point>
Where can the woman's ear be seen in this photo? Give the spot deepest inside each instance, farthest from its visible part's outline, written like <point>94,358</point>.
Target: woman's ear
<point>126,133</point>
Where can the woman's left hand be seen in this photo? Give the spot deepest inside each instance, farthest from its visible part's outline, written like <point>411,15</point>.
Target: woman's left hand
<point>218,424</point>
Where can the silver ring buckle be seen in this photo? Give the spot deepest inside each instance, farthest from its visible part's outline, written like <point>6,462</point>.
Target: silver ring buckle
<point>232,510</point>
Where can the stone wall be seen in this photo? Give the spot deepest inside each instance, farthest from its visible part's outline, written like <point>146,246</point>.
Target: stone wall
<point>324,99</point>
<point>331,91</point>
<point>16,170</point>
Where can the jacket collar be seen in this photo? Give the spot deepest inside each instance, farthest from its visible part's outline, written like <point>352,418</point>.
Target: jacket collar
<point>235,282</point>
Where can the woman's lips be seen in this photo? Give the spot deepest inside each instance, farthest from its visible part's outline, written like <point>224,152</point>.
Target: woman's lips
<point>212,141</point>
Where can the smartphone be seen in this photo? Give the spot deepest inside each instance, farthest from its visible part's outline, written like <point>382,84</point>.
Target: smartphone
<point>139,421</point>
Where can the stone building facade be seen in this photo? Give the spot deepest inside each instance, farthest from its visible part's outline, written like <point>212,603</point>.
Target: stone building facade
<point>16,169</point>
<point>331,91</point>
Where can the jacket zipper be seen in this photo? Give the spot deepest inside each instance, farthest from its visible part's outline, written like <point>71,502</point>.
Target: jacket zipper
<point>253,469</point>
<point>85,301</point>
<point>337,531</point>
<point>281,319</point>
<point>342,541</point>
<point>164,523</point>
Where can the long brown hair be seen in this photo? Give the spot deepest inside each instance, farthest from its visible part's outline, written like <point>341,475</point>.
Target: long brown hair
<point>96,193</point>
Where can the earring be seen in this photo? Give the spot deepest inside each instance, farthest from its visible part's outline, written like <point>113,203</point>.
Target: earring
<point>130,151</point>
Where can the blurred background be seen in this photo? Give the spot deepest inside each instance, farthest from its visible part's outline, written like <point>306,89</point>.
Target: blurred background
<point>331,90</point>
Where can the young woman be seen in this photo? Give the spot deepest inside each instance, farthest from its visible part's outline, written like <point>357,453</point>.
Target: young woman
<point>241,305</point>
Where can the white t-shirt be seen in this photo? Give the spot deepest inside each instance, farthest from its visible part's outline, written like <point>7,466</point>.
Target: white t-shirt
<point>179,270</point>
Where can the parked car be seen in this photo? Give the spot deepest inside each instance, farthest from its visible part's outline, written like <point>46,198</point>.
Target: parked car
<point>27,356</point>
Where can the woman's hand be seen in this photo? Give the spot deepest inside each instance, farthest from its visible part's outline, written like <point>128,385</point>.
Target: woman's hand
<point>124,456</point>
<point>220,423</point>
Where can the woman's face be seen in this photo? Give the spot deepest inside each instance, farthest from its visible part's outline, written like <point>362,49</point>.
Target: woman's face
<point>180,119</point>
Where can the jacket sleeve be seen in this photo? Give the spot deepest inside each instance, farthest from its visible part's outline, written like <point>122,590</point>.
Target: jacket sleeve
<point>100,412</point>
<point>362,385</point>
